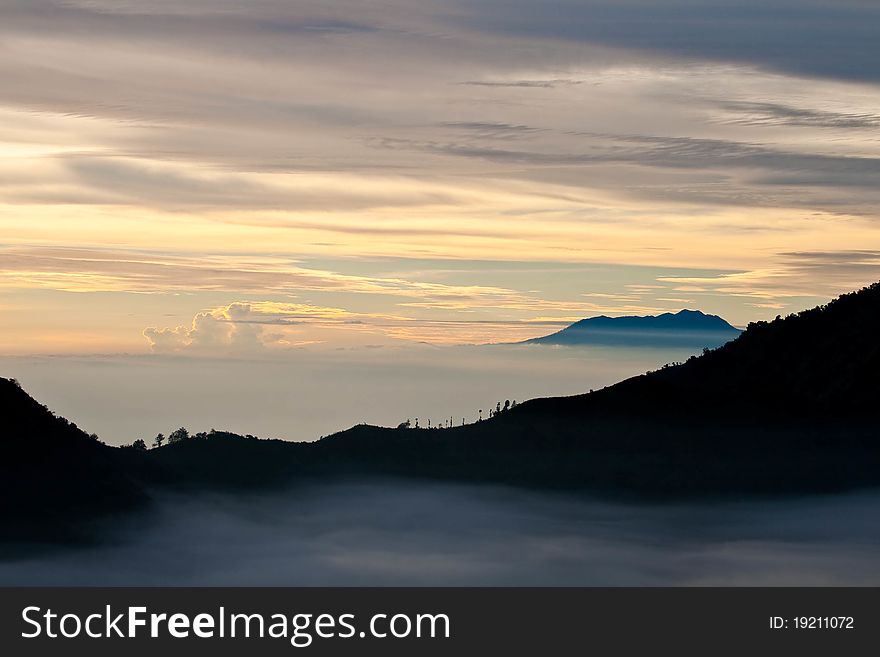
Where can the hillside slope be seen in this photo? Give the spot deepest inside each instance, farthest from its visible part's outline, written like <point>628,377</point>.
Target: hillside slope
<point>787,407</point>
<point>54,478</point>
<point>819,363</point>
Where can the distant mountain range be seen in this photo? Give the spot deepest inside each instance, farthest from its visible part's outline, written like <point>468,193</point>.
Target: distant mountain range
<point>686,328</point>
<point>788,407</point>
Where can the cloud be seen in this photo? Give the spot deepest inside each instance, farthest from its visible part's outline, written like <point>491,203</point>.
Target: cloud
<point>101,180</point>
<point>91,270</point>
<point>795,275</point>
<point>209,330</point>
<point>239,327</point>
<point>775,31</point>
<point>745,172</point>
<point>777,114</point>
<point>804,37</point>
<point>669,152</point>
<point>230,144</point>
<point>106,270</point>
<point>156,113</point>
<point>523,84</point>
<point>491,129</point>
<point>280,303</point>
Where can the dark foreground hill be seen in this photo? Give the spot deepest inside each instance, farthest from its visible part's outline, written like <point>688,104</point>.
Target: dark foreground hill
<point>686,328</point>
<point>54,478</point>
<point>788,407</point>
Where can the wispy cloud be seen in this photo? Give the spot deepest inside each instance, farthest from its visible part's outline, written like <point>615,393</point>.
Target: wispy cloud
<point>523,84</point>
<point>770,34</point>
<point>796,275</point>
<point>777,114</point>
<point>207,152</point>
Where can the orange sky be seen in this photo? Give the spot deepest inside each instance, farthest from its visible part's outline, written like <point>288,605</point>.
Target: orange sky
<point>236,176</point>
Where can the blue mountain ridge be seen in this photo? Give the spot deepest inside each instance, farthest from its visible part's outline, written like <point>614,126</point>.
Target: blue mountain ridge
<point>684,328</point>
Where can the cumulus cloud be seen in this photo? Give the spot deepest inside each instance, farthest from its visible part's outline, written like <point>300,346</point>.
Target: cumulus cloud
<point>239,327</point>
<point>210,329</point>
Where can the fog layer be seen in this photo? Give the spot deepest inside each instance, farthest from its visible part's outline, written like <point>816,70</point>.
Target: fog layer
<point>393,533</point>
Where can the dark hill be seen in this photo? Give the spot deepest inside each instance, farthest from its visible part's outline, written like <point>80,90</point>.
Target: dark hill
<point>788,406</point>
<point>784,408</point>
<point>686,328</point>
<point>819,363</point>
<point>54,478</point>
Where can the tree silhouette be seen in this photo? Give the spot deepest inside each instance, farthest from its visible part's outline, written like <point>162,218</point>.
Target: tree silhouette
<point>158,440</point>
<point>139,445</point>
<point>178,435</point>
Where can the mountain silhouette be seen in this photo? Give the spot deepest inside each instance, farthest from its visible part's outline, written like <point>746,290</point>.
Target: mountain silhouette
<point>55,478</point>
<point>787,407</point>
<point>686,328</point>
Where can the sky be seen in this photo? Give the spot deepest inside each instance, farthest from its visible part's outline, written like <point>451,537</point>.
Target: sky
<point>227,176</point>
<point>312,392</point>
